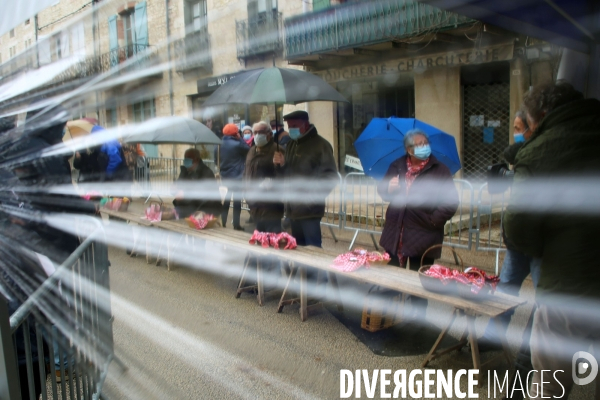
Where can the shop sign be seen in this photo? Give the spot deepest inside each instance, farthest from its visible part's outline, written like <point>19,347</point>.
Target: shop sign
<point>211,84</point>
<point>419,64</point>
<point>353,162</point>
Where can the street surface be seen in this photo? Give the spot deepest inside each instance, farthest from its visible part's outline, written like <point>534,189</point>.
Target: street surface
<point>183,335</point>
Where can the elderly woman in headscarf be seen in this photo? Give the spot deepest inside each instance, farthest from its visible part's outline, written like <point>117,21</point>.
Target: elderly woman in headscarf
<point>422,198</point>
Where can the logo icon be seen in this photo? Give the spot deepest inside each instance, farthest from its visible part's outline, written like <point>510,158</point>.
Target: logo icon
<point>581,368</point>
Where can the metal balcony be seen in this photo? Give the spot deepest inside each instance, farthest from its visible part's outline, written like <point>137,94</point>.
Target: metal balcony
<point>259,35</point>
<point>362,24</point>
<point>132,57</point>
<point>193,51</point>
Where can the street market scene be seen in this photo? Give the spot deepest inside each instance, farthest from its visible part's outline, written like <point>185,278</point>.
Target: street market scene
<point>299,199</point>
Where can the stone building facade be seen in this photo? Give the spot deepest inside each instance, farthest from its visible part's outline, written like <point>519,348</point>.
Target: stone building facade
<point>135,60</point>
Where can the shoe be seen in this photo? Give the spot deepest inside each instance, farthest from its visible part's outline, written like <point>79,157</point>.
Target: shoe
<point>238,228</point>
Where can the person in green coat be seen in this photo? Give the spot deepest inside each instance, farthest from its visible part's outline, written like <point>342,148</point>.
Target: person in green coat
<point>554,214</point>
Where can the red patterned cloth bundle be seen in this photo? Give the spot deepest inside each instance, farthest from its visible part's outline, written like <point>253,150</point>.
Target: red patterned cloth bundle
<point>472,276</point>
<point>201,220</point>
<point>355,259</point>
<point>276,240</point>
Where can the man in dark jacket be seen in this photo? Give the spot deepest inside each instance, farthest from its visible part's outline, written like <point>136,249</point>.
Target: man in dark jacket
<point>266,207</point>
<point>557,171</point>
<point>232,159</point>
<point>193,169</point>
<point>310,174</point>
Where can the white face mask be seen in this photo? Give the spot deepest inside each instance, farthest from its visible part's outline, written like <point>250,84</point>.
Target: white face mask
<point>260,139</point>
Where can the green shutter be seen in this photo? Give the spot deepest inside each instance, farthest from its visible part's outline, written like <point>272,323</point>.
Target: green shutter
<point>141,26</point>
<point>113,40</point>
<point>321,4</point>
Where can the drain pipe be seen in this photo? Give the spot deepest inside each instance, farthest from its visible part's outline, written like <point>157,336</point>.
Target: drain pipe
<point>167,24</point>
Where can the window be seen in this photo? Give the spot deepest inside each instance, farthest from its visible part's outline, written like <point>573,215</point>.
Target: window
<point>12,51</point>
<point>27,21</point>
<point>129,28</point>
<point>111,117</point>
<point>142,111</point>
<point>12,33</point>
<point>195,15</point>
<point>263,5</point>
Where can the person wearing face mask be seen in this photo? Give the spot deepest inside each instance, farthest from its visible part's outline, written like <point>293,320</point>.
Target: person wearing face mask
<point>310,174</point>
<point>422,198</point>
<point>193,169</point>
<point>247,135</point>
<point>260,179</point>
<point>521,133</point>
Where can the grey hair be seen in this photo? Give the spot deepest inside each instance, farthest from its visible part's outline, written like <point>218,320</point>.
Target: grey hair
<point>261,124</point>
<point>521,115</point>
<point>409,137</point>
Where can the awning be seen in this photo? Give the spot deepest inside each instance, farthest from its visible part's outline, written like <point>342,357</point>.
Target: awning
<point>574,24</point>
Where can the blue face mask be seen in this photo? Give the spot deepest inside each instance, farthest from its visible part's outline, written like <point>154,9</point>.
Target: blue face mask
<point>294,133</point>
<point>247,136</point>
<point>519,137</point>
<point>188,162</point>
<point>422,152</point>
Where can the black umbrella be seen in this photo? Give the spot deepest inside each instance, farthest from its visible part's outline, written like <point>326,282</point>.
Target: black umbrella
<point>274,85</point>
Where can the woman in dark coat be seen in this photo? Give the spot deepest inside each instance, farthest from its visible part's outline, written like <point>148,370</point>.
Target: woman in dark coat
<point>422,198</point>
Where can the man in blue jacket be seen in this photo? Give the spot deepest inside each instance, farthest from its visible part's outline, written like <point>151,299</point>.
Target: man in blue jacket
<point>112,160</point>
<point>232,159</point>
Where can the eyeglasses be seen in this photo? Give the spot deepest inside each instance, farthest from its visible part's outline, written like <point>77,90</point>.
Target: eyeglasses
<point>262,131</point>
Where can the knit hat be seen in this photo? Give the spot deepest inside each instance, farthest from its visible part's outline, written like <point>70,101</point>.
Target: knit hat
<point>230,130</point>
<point>247,128</point>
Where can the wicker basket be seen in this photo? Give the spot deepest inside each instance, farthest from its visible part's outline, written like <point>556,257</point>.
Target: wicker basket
<point>465,292</point>
<point>381,310</point>
<point>434,284</point>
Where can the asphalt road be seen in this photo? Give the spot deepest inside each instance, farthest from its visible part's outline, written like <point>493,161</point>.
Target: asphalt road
<point>183,335</point>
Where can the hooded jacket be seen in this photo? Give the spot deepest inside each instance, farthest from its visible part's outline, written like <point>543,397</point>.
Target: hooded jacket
<point>310,174</point>
<point>545,217</point>
<point>431,201</point>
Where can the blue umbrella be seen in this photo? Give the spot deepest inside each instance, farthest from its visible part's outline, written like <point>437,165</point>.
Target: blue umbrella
<point>382,142</point>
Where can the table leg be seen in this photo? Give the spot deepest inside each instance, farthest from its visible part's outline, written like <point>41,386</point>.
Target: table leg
<point>474,345</point>
<point>433,352</point>
<point>169,251</point>
<point>303,294</point>
<point>283,302</point>
<point>147,247</point>
<point>242,283</point>
<point>259,281</point>
<point>336,290</point>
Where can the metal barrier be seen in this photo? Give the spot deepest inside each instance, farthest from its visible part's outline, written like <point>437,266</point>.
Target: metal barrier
<point>459,230</point>
<point>334,209</point>
<point>158,175</point>
<point>490,216</point>
<point>70,315</point>
<point>363,209</point>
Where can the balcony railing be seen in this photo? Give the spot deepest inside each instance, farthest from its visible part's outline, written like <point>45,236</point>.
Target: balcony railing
<point>138,57</point>
<point>193,51</point>
<point>19,63</point>
<point>362,24</point>
<point>259,35</point>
